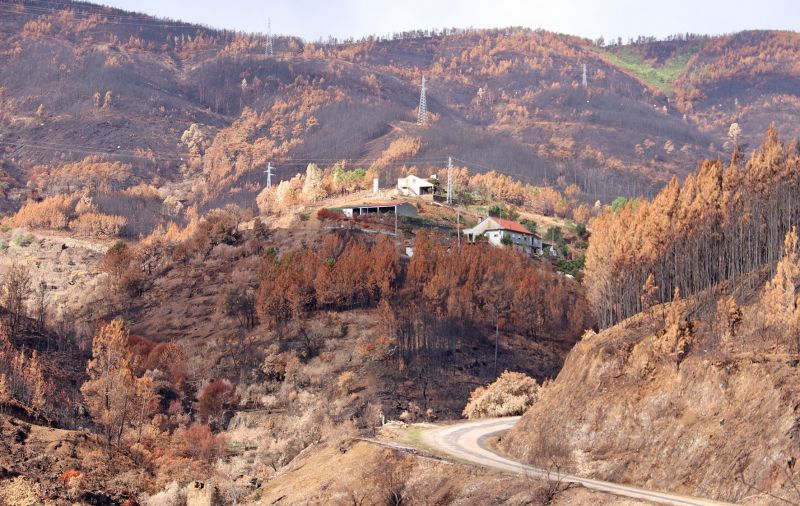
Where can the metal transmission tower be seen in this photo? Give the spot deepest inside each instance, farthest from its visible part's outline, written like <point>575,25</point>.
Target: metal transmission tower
<point>269,50</point>
<point>450,180</point>
<point>422,114</point>
<point>585,80</point>
<point>269,174</point>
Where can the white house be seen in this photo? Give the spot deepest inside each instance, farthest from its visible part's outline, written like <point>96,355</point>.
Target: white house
<point>400,208</point>
<point>495,229</point>
<point>415,186</point>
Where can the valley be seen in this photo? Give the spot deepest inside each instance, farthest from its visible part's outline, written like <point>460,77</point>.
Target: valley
<point>239,268</point>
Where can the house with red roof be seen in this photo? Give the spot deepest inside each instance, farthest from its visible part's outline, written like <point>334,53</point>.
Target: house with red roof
<point>501,232</point>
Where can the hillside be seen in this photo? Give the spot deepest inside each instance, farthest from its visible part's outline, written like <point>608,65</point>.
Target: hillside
<point>80,80</point>
<point>171,326</point>
<point>717,426</point>
<point>692,386</point>
<point>364,471</point>
<point>240,345</point>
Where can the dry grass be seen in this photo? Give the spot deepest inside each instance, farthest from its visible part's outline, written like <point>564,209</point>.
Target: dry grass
<point>628,411</point>
<point>364,473</point>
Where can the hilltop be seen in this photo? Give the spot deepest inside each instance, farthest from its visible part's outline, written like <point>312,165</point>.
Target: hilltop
<point>80,80</point>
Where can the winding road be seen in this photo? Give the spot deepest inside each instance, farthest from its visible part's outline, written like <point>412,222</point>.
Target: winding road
<point>466,442</point>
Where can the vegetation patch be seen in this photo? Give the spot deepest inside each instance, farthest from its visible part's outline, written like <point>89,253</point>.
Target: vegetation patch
<point>661,78</point>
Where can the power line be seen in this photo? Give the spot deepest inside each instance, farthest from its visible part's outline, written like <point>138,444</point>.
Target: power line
<point>91,151</point>
<point>287,161</point>
<point>116,152</point>
<point>270,50</point>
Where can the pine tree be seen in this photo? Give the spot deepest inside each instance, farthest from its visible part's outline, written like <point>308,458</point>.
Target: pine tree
<point>649,293</point>
<point>5,393</point>
<point>16,288</point>
<point>109,391</point>
<point>37,385</point>
<point>729,318</point>
<point>146,403</point>
<point>780,297</point>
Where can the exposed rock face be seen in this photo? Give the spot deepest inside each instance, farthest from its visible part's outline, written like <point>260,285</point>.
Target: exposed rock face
<point>200,493</point>
<point>625,409</point>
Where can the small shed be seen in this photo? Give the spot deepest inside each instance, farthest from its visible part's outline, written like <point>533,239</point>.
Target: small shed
<point>415,186</point>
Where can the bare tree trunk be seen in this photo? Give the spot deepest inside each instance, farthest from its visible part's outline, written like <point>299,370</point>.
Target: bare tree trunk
<point>496,343</point>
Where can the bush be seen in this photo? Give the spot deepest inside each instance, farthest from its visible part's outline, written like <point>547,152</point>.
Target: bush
<point>530,225</point>
<point>124,270</point>
<point>501,211</point>
<point>581,231</point>
<point>554,235</point>
<point>214,398</point>
<point>52,212</point>
<point>220,226</point>
<point>173,495</point>
<point>572,267</point>
<point>23,240</point>
<point>94,224</point>
<point>346,380</point>
<point>510,395</point>
<point>200,443</point>
<point>68,476</point>
<point>3,245</point>
<point>329,214</point>
<point>116,259</point>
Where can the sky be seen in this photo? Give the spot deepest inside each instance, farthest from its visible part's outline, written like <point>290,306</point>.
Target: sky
<point>315,19</point>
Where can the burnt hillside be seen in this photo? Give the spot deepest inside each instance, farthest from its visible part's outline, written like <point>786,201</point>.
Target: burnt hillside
<point>78,79</point>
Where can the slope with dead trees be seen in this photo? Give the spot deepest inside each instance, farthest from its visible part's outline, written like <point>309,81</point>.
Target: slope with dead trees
<point>721,224</point>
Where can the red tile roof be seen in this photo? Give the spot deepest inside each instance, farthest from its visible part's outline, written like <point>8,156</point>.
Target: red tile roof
<point>512,226</point>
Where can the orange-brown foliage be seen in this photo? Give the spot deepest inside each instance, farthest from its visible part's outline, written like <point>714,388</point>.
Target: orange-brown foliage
<point>52,213</point>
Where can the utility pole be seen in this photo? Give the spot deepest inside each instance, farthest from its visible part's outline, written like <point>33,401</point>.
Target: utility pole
<point>585,80</point>
<point>269,174</point>
<point>450,180</point>
<point>422,113</point>
<point>458,225</point>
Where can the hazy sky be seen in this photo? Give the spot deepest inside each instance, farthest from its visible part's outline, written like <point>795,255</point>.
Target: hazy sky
<point>312,19</point>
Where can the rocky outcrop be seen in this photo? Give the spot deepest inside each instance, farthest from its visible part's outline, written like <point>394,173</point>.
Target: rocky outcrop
<point>200,493</point>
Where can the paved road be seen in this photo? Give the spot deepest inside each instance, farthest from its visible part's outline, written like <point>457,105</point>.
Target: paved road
<point>465,441</point>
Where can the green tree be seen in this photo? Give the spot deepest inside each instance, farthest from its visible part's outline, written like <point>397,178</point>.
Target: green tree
<point>618,203</point>
<point>530,225</point>
<point>554,235</point>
